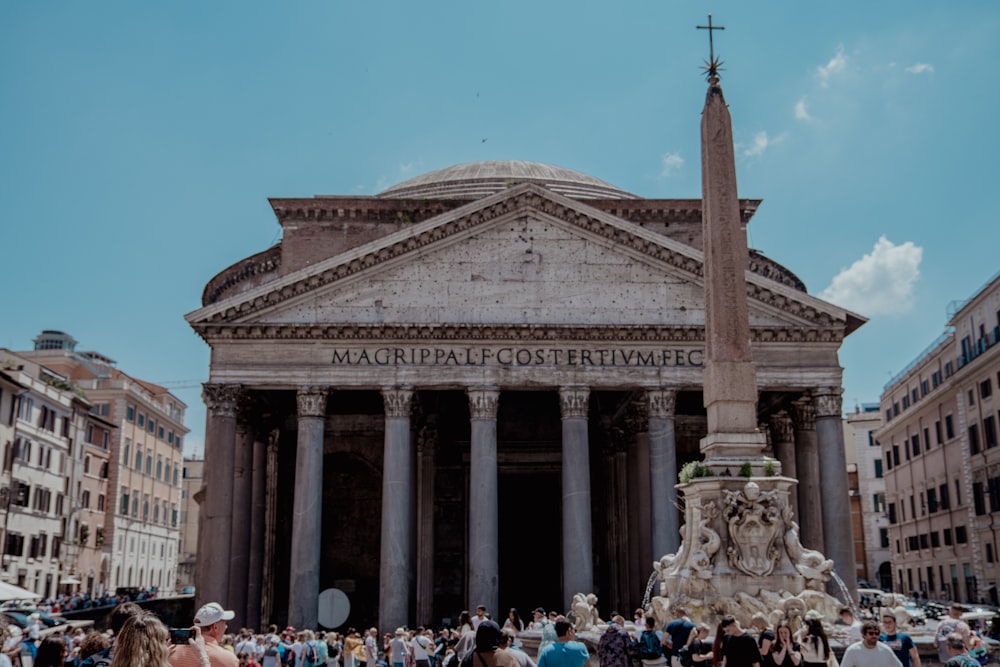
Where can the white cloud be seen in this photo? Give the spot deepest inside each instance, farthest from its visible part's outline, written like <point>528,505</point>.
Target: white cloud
<point>761,142</point>
<point>672,162</point>
<point>836,65</point>
<point>881,282</point>
<point>920,68</point>
<point>801,113</point>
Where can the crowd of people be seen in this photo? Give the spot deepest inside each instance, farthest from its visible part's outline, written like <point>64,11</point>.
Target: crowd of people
<point>138,638</point>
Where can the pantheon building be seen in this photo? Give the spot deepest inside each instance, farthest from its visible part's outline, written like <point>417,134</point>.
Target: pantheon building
<point>478,387</point>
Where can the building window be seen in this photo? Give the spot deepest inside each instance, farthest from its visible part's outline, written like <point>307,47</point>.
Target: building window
<point>937,431</point>
<point>878,468</point>
<point>100,502</point>
<point>895,409</point>
<point>883,536</point>
<point>974,438</point>
<point>142,420</point>
<point>895,455</point>
<point>123,510</point>
<point>160,433</point>
<point>906,401</point>
<point>128,450</point>
<point>972,398</point>
<point>149,464</point>
<point>152,425</point>
<point>159,467</point>
<point>990,432</point>
<point>943,492</point>
<point>935,539</point>
<point>932,501</point>
<point>958,494</point>
<point>960,535</point>
<point>989,552</point>
<point>949,427</point>
<point>936,379</point>
<point>927,439</point>
<point>85,500</point>
<point>947,536</point>
<point>892,513</point>
<point>914,396</point>
<point>130,413</point>
<point>86,464</point>
<point>985,388</point>
<point>925,388</point>
<point>978,498</point>
<point>138,459</point>
<point>915,444</point>
<point>14,545</point>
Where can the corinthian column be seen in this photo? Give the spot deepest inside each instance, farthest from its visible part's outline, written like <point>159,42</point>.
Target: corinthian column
<point>807,467</point>
<point>307,509</point>
<point>663,471</point>
<point>216,527</point>
<point>834,488</point>
<point>783,440</point>
<point>483,528</point>
<point>578,565</point>
<point>239,549</point>
<point>397,494</point>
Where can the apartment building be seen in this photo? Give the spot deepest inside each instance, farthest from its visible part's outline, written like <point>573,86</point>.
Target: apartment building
<point>193,478</point>
<point>942,463</point>
<point>872,526</point>
<point>140,533</point>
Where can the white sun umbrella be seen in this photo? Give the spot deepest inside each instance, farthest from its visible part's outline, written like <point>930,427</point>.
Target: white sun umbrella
<point>12,592</point>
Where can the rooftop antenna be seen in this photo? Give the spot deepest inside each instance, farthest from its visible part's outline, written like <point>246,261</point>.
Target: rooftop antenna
<point>712,65</point>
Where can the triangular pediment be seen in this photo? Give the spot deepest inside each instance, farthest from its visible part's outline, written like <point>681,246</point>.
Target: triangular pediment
<point>523,257</point>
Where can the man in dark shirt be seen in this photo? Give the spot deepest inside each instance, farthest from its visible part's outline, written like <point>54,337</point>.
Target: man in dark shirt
<point>900,642</point>
<point>680,632</point>
<point>741,649</point>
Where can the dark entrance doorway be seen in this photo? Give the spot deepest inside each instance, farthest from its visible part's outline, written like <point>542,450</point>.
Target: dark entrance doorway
<point>530,543</point>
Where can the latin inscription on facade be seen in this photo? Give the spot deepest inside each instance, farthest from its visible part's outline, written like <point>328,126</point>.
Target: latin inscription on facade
<point>517,356</point>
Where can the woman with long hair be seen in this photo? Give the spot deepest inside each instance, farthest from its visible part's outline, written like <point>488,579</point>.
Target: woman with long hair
<point>142,642</point>
<point>814,644</point>
<point>718,644</point>
<point>464,622</point>
<point>515,624</point>
<point>784,651</point>
<point>51,652</point>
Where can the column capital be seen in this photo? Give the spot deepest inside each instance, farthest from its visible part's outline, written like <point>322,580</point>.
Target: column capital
<point>661,402</point>
<point>829,401</point>
<point>311,401</point>
<point>804,413</point>
<point>397,401</point>
<point>221,399</point>
<point>781,427</point>
<point>483,402</point>
<point>574,401</point>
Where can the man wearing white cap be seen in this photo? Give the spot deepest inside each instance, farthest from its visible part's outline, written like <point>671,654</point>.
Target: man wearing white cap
<point>212,619</point>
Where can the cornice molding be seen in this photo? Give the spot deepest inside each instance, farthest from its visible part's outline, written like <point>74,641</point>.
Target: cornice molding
<point>504,332</point>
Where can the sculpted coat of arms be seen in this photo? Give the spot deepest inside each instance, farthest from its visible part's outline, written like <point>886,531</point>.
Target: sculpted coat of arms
<point>756,528</point>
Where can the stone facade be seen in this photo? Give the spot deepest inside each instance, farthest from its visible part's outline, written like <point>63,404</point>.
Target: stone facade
<point>469,399</point>
<point>939,444</point>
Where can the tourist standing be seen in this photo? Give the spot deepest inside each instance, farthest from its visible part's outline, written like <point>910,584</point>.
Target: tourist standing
<point>371,647</point>
<point>953,623</point>
<point>740,649</point>
<point>397,649</point>
<point>813,641</point>
<point>212,621</point>
<point>701,648</point>
<point>785,651</point>
<point>954,644</point>
<point>900,642</point>
<point>869,652</point>
<point>565,652</point>
<point>616,647</point>
<point>679,633</point>
<point>652,645</point>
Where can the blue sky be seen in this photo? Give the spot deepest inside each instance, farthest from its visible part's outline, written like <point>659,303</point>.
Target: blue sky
<point>140,142</point>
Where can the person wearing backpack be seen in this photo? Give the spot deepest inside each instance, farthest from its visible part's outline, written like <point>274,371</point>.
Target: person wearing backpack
<point>651,644</point>
<point>313,652</point>
<point>679,633</point>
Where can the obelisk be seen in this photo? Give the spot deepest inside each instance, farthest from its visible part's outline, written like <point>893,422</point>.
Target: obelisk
<point>730,392</point>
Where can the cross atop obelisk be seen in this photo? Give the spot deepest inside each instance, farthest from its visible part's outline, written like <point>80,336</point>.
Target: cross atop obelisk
<point>712,66</point>
<point>730,393</point>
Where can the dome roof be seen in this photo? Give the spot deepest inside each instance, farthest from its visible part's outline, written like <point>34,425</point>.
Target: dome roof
<point>474,180</point>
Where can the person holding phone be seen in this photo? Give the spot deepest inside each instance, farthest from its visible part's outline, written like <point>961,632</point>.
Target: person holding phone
<point>211,623</point>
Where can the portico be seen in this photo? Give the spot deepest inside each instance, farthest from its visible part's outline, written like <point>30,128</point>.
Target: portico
<point>479,384</point>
